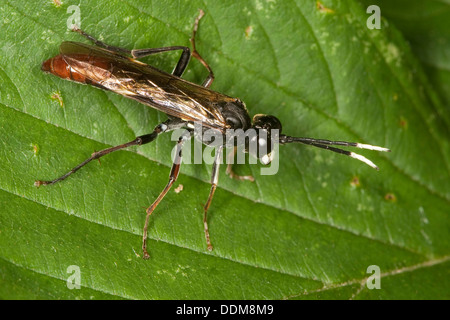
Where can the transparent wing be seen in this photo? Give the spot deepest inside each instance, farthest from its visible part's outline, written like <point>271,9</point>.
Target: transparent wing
<point>136,80</point>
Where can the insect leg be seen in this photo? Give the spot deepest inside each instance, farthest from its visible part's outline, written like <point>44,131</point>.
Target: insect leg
<point>185,55</point>
<point>100,43</point>
<point>208,81</point>
<point>182,62</point>
<point>147,138</point>
<point>140,53</point>
<point>172,178</point>
<point>230,171</point>
<point>214,181</point>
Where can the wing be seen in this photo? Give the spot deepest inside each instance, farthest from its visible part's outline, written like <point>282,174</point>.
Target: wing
<point>146,84</point>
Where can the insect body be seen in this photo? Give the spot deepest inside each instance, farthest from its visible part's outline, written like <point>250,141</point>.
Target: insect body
<point>185,103</point>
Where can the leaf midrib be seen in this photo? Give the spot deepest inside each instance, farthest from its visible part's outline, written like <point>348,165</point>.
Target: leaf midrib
<point>432,192</point>
<point>308,105</point>
<point>363,281</point>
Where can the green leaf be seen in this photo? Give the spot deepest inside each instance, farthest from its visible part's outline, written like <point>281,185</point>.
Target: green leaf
<point>310,231</point>
<point>426,25</point>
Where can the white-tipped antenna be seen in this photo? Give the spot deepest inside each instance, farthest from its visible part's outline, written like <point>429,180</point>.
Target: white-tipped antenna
<point>363,159</point>
<point>370,147</point>
<point>326,144</point>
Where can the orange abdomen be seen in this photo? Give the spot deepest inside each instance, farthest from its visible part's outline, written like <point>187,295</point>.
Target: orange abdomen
<point>59,67</point>
<point>85,68</point>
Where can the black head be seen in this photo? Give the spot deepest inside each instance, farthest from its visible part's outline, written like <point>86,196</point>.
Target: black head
<point>267,122</point>
<point>267,129</point>
<point>268,132</point>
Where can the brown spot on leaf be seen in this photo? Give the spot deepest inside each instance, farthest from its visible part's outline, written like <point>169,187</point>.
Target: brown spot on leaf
<point>322,8</point>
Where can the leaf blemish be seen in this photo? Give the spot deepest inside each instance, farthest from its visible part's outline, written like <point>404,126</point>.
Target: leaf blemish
<point>248,32</point>
<point>57,96</point>
<point>178,189</point>
<point>57,3</point>
<point>424,218</point>
<point>355,182</point>
<point>391,53</point>
<point>322,8</point>
<point>390,197</point>
<point>403,123</point>
<point>35,149</point>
